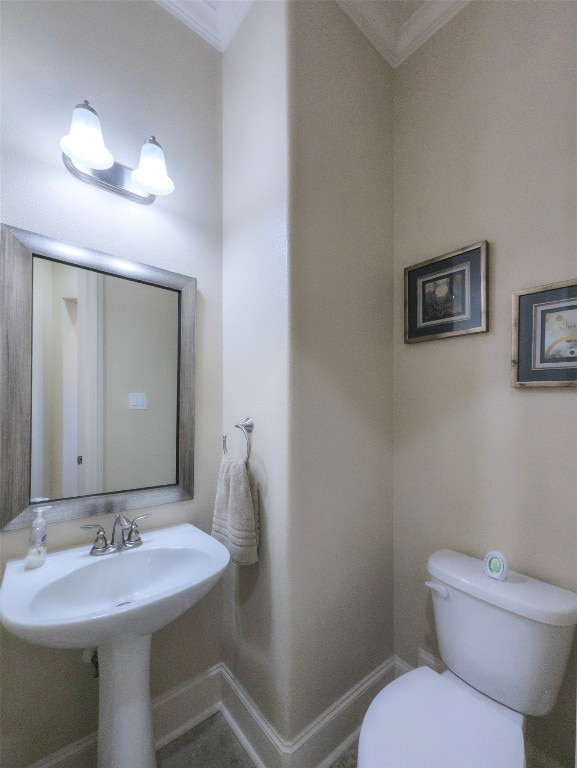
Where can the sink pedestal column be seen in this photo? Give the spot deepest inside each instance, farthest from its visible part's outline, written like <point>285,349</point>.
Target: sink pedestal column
<point>125,723</point>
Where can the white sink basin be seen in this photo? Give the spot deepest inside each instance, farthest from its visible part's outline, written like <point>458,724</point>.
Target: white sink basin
<point>114,601</point>
<point>76,600</point>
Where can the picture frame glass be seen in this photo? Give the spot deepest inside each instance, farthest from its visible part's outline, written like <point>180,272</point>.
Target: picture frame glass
<point>446,296</point>
<point>555,334</point>
<point>545,336</point>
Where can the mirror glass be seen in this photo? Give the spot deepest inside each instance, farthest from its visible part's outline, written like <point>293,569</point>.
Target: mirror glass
<point>96,381</point>
<point>104,383</point>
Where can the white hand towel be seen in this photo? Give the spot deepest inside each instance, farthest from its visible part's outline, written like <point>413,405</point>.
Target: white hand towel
<point>236,520</point>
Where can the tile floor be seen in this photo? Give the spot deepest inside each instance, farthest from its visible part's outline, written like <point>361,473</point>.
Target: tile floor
<point>213,745</point>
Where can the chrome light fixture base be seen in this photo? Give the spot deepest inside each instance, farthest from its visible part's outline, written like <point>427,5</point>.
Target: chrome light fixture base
<point>117,179</point>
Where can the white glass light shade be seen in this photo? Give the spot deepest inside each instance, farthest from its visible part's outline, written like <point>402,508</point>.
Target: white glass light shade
<point>84,144</point>
<point>151,172</point>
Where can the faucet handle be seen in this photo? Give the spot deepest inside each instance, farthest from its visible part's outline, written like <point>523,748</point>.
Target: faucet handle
<point>100,543</point>
<point>133,539</point>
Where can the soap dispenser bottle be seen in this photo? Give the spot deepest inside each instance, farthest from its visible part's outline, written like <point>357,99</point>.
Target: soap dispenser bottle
<point>37,542</point>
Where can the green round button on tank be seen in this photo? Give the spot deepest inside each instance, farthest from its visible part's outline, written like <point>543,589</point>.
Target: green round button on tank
<point>495,566</point>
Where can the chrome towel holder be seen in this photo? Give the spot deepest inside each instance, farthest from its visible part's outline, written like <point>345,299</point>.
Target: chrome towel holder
<point>246,427</point>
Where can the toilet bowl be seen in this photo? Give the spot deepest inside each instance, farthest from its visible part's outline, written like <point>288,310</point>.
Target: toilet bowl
<point>423,720</point>
<point>506,645</point>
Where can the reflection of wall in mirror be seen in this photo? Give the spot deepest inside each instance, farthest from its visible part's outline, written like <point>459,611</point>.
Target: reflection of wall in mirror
<point>96,338</point>
<point>140,355</point>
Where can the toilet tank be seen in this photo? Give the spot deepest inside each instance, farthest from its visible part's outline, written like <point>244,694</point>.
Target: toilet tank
<point>508,639</point>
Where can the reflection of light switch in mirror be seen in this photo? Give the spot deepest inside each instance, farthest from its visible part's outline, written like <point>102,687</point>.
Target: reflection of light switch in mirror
<point>137,401</point>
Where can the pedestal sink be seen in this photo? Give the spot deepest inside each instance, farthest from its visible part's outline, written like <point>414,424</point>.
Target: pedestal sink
<point>114,602</point>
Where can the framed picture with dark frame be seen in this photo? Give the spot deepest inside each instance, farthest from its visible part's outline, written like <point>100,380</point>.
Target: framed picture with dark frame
<point>545,336</point>
<point>447,296</point>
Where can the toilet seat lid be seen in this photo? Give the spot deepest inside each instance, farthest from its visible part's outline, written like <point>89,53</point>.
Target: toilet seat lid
<point>422,720</point>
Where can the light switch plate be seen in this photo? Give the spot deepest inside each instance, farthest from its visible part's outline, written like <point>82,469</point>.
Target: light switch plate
<point>137,401</point>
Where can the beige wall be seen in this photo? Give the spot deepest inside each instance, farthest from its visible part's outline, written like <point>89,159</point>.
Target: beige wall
<point>140,355</point>
<point>144,72</point>
<point>484,129</point>
<point>341,293</point>
<point>485,142</point>
<point>306,351</point>
<point>256,307</point>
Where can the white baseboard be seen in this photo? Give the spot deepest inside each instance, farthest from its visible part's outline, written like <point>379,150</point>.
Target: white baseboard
<point>173,713</point>
<point>401,667</point>
<point>319,741</point>
<point>79,754</point>
<point>427,659</point>
<point>320,744</point>
<point>178,710</point>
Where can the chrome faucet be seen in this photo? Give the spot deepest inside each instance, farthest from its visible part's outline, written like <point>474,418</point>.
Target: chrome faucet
<point>119,540</point>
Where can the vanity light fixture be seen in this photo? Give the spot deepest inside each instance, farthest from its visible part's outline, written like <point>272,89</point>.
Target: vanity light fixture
<point>84,144</point>
<point>151,173</point>
<point>86,157</point>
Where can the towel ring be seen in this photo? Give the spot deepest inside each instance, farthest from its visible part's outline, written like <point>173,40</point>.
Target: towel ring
<point>246,427</point>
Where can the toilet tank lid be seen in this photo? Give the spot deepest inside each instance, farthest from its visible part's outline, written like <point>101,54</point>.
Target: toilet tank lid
<point>519,594</point>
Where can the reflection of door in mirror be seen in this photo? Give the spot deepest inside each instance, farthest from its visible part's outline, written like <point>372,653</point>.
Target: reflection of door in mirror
<point>105,383</point>
<point>70,402</point>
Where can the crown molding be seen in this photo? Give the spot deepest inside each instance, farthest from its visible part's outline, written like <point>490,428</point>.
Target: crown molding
<point>215,22</point>
<point>218,20</point>
<point>230,14</point>
<point>419,27</point>
<point>428,19</point>
<point>382,37</point>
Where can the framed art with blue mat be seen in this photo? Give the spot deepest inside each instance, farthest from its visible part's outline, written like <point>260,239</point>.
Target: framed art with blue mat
<point>545,336</point>
<point>447,296</point>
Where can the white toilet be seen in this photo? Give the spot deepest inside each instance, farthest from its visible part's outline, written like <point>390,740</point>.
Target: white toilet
<point>506,645</point>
